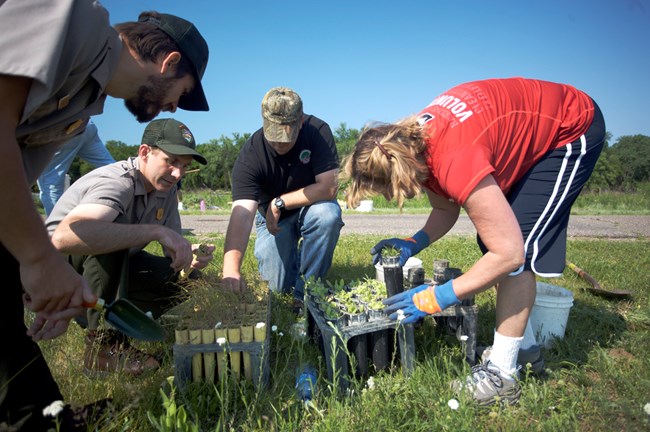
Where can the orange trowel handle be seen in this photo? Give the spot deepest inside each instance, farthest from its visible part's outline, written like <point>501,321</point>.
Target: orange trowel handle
<point>97,304</point>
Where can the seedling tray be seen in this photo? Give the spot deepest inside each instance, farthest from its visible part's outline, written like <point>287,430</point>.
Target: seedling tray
<point>211,354</point>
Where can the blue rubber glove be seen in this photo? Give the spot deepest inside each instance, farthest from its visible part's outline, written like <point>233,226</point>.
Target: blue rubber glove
<point>420,301</point>
<point>404,301</point>
<point>408,247</point>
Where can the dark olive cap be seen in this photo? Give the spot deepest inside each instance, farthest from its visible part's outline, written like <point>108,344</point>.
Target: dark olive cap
<point>194,47</point>
<point>172,137</point>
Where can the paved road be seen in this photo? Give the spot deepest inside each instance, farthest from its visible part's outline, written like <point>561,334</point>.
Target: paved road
<point>614,227</point>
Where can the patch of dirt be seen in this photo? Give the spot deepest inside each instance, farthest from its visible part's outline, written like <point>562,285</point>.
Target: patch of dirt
<point>620,354</point>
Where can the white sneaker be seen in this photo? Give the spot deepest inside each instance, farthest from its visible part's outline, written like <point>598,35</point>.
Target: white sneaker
<point>488,385</point>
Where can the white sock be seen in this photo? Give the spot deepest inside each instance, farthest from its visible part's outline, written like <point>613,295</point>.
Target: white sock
<point>504,353</point>
<point>529,337</point>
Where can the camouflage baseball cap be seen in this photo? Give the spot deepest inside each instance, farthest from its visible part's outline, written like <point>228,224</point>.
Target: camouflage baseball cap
<point>282,113</point>
<point>173,137</point>
<point>192,45</point>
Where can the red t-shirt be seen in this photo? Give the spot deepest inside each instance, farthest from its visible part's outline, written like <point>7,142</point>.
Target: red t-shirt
<point>500,127</point>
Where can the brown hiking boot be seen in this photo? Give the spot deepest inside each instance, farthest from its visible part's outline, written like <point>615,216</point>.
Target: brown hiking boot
<point>110,351</point>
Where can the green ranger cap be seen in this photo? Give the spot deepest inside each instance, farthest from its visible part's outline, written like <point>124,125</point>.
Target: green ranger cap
<point>173,137</point>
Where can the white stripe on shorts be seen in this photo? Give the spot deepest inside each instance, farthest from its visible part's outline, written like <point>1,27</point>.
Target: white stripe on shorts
<point>534,235</point>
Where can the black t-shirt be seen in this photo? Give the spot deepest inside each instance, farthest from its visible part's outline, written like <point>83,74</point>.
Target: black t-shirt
<point>260,174</point>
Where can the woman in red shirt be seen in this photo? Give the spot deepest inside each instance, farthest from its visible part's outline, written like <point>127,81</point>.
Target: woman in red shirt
<point>514,154</point>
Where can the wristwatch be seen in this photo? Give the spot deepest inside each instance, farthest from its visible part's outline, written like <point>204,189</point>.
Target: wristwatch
<point>279,203</point>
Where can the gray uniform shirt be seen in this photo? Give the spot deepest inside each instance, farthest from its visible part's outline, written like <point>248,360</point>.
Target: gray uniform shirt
<point>70,50</point>
<point>121,187</point>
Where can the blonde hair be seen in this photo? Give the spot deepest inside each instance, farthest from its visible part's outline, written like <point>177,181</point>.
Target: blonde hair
<point>388,160</point>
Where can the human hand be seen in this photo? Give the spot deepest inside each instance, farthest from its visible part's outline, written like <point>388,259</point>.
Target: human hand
<point>201,257</point>
<point>408,247</point>
<point>421,301</point>
<point>236,285</point>
<point>404,302</point>
<point>49,326</point>
<point>51,284</point>
<point>177,248</point>
<point>52,321</point>
<point>272,220</point>
<point>43,328</point>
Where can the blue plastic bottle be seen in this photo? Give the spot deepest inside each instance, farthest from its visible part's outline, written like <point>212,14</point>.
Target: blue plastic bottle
<point>306,383</point>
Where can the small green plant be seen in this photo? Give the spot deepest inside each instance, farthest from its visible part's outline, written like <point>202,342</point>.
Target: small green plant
<point>369,290</point>
<point>338,286</point>
<point>330,311</point>
<point>353,308</point>
<point>316,288</point>
<point>345,296</point>
<point>174,419</point>
<point>376,304</point>
<point>390,251</point>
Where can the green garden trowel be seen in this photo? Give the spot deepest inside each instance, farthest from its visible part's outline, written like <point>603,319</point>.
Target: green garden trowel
<point>127,318</point>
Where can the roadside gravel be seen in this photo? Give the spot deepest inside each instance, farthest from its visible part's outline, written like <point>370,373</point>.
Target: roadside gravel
<point>612,227</point>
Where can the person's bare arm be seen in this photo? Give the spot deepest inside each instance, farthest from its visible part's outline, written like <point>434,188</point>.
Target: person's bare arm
<point>89,230</point>
<point>237,235</point>
<point>442,218</point>
<point>23,234</point>
<point>324,188</point>
<point>499,229</point>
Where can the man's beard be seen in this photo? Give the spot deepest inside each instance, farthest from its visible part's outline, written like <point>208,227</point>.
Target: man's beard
<point>149,102</point>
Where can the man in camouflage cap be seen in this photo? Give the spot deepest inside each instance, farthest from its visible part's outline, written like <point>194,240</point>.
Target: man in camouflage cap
<point>285,179</point>
<point>104,221</point>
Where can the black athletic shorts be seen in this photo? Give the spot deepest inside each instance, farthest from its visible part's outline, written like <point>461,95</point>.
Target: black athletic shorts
<point>542,199</point>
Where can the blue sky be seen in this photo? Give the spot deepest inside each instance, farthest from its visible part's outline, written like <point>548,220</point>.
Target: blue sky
<point>355,61</point>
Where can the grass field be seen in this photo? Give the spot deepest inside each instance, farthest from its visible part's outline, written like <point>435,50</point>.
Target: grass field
<point>597,377</point>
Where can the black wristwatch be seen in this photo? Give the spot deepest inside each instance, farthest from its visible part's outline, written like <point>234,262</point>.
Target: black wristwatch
<point>279,203</point>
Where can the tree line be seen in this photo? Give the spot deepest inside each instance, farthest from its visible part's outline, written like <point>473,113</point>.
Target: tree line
<point>622,166</point>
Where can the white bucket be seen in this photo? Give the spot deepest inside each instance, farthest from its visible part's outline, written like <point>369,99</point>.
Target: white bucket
<point>365,206</point>
<point>412,262</point>
<point>550,312</point>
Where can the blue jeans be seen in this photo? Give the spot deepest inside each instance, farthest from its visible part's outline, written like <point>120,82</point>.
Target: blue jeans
<point>303,248</point>
<point>88,146</point>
